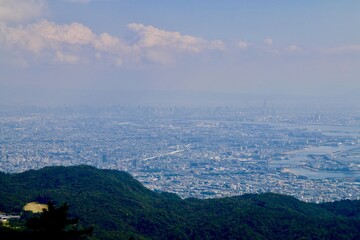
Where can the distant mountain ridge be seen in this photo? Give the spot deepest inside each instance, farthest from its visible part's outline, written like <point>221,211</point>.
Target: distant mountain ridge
<point>119,207</point>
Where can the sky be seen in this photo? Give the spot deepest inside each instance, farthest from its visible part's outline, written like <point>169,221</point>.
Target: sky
<point>176,52</point>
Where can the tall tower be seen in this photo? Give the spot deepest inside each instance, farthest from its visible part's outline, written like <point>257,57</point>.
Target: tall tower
<point>3,153</point>
<point>265,109</point>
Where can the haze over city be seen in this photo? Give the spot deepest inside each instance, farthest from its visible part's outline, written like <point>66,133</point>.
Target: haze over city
<point>92,52</point>
<point>179,119</point>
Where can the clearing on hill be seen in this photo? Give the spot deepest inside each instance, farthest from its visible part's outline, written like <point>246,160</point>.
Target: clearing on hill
<point>35,207</point>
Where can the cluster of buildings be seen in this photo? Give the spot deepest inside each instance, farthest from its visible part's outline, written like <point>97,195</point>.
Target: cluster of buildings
<point>196,153</point>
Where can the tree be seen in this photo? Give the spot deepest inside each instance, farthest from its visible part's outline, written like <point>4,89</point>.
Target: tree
<point>53,223</point>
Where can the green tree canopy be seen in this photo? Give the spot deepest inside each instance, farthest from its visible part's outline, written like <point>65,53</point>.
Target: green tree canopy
<point>53,223</point>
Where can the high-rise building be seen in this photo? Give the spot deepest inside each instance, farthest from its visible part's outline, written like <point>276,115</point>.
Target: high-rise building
<point>3,154</point>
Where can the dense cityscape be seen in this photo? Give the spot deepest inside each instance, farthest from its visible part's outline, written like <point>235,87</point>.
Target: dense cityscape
<point>195,152</point>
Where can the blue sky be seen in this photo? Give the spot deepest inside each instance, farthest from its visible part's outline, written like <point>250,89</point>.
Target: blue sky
<point>107,52</point>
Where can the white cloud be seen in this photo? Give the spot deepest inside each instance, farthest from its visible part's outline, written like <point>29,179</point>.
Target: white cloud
<point>20,10</point>
<point>46,38</point>
<point>151,37</point>
<point>106,42</point>
<point>268,42</point>
<point>66,58</point>
<point>243,45</point>
<point>48,35</point>
<point>293,49</point>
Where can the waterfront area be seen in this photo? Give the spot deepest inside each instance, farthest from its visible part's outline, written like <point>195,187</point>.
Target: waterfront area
<point>195,152</point>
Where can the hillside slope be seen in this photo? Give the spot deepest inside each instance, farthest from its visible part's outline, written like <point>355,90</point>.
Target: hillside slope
<point>118,207</point>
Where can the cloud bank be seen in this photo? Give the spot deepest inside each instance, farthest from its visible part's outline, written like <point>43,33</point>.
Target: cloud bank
<point>75,43</point>
<point>151,37</point>
<point>152,44</point>
<point>20,10</point>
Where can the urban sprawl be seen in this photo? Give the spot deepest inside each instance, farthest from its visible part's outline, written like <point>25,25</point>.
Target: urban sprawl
<point>195,152</point>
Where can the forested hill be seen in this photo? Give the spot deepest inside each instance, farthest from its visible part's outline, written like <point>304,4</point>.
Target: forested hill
<point>119,207</point>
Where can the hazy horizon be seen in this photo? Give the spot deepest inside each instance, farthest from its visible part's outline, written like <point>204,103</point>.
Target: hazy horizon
<point>165,53</point>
